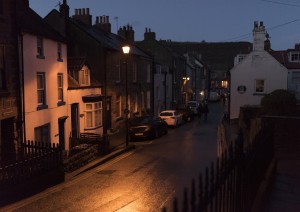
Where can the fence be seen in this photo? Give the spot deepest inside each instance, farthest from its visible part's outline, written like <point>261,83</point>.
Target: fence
<point>40,166</point>
<point>231,184</point>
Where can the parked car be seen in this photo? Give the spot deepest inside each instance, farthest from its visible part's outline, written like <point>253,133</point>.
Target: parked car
<point>172,117</point>
<point>193,105</point>
<point>186,111</point>
<point>146,127</point>
<point>214,96</point>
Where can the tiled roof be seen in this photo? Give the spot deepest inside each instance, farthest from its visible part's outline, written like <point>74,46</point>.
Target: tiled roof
<point>29,21</point>
<point>282,57</point>
<point>76,64</point>
<point>109,40</point>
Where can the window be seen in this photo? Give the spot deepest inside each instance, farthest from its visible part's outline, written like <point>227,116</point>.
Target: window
<point>118,106</point>
<point>84,77</point>
<point>41,89</point>
<point>93,115</point>
<point>259,86</point>
<point>59,52</point>
<point>60,90</point>
<point>2,68</point>
<point>295,56</point>
<point>40,48</point>
<point>118,72</point>
<point>148,73</point>
<point>134,72</point>
<point>148,100</point>
<point>136,102</point>
<point>42,133</point>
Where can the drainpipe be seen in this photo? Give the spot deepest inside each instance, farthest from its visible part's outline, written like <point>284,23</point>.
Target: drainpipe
<point>21,109</point>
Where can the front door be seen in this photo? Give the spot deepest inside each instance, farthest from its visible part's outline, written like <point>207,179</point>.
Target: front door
<point>74,120</point>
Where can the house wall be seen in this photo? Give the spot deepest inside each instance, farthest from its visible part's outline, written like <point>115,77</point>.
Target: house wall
<point>51,67</point>
<point>257,65</point>
<point>75,96</point>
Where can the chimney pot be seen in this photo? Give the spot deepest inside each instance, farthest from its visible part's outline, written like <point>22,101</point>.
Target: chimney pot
<point>97,20</point>
<point>101,21</point>
<point>87,11</point>
<point>107,19</point>
<point>76,11</point>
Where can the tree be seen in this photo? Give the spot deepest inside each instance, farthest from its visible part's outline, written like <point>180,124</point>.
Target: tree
<point>279,102</point>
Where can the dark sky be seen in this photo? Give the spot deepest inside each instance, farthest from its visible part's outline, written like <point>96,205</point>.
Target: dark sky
<point>194,20</point>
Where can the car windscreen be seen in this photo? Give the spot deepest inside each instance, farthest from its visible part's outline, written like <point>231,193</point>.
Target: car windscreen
<point>166,114</point>
<point>141,120</point>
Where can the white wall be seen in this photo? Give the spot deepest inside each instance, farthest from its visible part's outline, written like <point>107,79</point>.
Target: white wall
<point>257,65</point>
<point>75,96</point>
<point>51,67</point>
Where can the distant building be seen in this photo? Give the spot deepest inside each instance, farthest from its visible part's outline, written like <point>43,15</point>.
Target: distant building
<point>256,75</point>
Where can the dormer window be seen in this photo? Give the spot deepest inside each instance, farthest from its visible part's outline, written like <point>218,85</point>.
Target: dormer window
<point>84,77</point>
<point>294,57</point>
<point>40,48</point>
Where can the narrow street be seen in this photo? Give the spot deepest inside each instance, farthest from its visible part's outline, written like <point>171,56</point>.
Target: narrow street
<point>145,179</point>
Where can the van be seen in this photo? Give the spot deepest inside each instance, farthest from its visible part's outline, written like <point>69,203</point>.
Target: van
<point>193,105</point>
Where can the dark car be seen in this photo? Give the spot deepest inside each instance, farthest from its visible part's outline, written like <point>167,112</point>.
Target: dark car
<point>186,111</point>
<point>146,127</point>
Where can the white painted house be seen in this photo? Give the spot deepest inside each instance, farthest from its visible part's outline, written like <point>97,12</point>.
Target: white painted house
<point>45,81</point>
<point>257,74</point>
<point>84,98</point>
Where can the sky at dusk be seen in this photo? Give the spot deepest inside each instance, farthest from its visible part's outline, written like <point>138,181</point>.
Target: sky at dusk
<point>194,20</point>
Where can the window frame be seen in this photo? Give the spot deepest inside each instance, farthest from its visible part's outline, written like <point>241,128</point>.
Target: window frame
<point>41,131</point>
<point>59,52</point>
<point>93,115</point>
<point>40,47</point>
<point>60,89</point>
<point>257,86</point>
<point>84,77</point>
<point>294,56</point>
<point>41,104</point>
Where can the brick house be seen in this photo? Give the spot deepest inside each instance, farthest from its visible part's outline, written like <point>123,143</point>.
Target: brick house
<point>9,79</point>
<point>103,50</point>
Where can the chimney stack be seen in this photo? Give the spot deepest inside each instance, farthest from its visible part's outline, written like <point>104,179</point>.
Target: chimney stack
<point>148,35</point>
<point>83,15</point>
<point>102,22</point>
<point>259,33</point>
<point>126,32</point>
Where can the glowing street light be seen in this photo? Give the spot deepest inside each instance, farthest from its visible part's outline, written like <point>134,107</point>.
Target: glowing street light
<point>126,50</point>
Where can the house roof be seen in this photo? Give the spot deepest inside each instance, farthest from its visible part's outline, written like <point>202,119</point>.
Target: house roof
<point>29,21</point>
<point>109,40</point>
<point>74,65</point>
<point>283,58</point>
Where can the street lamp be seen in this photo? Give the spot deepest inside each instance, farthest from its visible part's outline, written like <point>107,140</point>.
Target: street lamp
<point>185,88</point>
<point>126,50</point>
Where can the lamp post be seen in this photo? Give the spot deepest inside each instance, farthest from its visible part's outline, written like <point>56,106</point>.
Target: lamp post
<point>185,89</point>
<point>126,50</point>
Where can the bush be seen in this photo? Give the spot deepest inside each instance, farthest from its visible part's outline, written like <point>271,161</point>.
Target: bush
<point>279,102</point>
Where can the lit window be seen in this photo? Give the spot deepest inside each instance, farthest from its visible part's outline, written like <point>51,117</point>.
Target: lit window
<point>41,91</point>
<point>118,106</point>
<point>93,115</point>
<point>259,86</point>
<point>40,47</point>
<point>2,68</point>
<point>60,87</point>
<point>84,77</point>
<point>42,133</point>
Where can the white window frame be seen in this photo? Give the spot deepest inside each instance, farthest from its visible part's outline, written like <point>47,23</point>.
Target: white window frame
<point>257,86</point>
<point>84,77</point>
<point>294,56</point>
<point>41,88</point>
<point>93,115</point>
<point>40,47</point>
<point>60,87</point>
<point>59,51</point>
